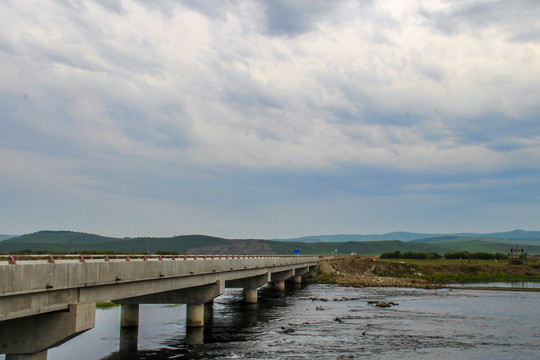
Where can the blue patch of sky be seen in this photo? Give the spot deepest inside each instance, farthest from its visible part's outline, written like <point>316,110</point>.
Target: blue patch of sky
<point>18,128</point>
<point>167,126</point>
<point>492,130</point>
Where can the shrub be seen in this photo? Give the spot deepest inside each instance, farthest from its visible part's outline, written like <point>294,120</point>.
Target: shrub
<point>457,255</point>
<point>390,255</point>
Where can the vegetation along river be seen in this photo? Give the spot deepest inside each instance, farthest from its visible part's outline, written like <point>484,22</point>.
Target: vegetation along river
<point>332,322</point>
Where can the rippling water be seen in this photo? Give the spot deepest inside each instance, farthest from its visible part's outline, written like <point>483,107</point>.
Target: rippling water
<point>298,324</point>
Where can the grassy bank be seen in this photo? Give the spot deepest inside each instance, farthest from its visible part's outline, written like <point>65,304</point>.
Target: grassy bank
<point>106,305</point>
<point>371,271</point>
<point>466,271</point>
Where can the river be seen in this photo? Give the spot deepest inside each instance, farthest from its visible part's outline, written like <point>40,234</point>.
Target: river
<point>299,324</point>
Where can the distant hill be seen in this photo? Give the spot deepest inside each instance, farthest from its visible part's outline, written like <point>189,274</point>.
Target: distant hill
<point>345,248</point>
<point>5,237</point>
<point>62,237</point>
<point>68,240</point>
<point>514,235</point>
<point>408,236</point>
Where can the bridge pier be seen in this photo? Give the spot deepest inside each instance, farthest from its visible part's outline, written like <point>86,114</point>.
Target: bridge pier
<point>279,285</point>
<point>195,299</point>
<point>129,315</point>
<point>278,279</point>
<point>250,296</point>
<point>194,315</point>
<point>30,337</point>
<point>250,286</point>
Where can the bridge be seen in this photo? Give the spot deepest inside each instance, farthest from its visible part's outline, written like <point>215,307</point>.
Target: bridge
<point>47,300</point>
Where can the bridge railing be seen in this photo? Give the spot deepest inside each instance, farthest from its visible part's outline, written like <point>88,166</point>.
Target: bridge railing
<point>65,258</point>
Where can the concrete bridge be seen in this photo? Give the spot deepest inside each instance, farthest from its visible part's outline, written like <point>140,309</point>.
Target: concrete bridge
<point>47,300</point>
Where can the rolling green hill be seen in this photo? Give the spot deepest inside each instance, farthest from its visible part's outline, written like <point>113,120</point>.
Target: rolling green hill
<point>418,237</point>
<point>66,240</point>
<point>62,237</point>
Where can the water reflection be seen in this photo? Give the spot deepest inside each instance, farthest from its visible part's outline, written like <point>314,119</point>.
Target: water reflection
<point>129,339</point>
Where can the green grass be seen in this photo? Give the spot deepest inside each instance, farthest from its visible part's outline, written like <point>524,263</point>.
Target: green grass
<point>106,305</point>
<point>471,271</point>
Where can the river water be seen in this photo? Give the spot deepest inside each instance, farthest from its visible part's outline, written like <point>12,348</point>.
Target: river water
<point>299,324</point>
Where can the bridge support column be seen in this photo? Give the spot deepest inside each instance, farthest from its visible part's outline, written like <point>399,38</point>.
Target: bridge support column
<point>250,286</point>
<point>279,285</point>
<point>278,278</point>
<point>29,337</point>
<point>250,296</point>
<point>129,315</point>
<point>195,299</point>
<point>194,315</point>
<point>297,279</point>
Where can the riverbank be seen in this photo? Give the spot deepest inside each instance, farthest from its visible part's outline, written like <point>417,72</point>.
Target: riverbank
<point>359,271</point>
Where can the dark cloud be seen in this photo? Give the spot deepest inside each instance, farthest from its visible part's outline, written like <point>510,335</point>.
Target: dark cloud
<point>293,18</point>
<point>519,17</point>
<point>211,8</point>
<point>112,5</point>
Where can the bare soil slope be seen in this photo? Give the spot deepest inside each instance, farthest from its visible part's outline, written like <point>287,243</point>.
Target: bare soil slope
<point>366,271</point>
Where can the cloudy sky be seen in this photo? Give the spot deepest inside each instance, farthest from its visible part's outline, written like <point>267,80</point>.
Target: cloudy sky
<point>268,119</point>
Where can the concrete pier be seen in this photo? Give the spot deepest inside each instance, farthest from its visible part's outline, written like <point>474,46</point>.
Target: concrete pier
<point>250,296</point>
<point>30,337</point>
<point>129,315</point>
<point>279,285</point>
<point>195,315</point>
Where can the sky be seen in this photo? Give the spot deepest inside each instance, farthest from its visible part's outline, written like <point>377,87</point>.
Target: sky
<point>269,119</point>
